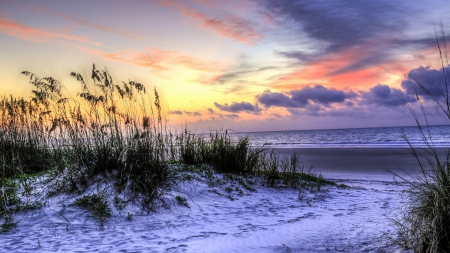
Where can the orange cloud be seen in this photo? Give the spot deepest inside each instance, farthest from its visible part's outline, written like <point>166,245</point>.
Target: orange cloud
<point>229,26</point>
<point>37,35</point>
<point>322,72</point>
<point>317,74</point>
<point>87,23</point>
<point>160,60</point>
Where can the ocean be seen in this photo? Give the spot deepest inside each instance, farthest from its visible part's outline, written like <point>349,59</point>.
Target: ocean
<point>379,137</point>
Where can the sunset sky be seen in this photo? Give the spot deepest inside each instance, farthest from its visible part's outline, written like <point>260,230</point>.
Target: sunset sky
<point>245,65</point>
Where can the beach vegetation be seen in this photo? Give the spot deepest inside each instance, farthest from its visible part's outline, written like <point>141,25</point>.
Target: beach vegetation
<point>96,204</point>
<point>424,223</point>
<point>243,181</point>
<point>119,203</point>
<point>8,224</point>
<point>220,150</point>
<point>8,195</point>
<point>301,194</point>
<point>11,202</point>
<point>181,201</point>
<point>117,131</point>
<point>129,216</point>
<point>287,172</point>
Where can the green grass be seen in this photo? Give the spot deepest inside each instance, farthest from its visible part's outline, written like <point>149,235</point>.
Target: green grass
<point>96,204</point>
<point>10,201</point>
<point>8,224</point>
<point>182,201</point>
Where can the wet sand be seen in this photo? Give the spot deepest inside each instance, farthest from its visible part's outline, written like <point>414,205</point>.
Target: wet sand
<point>360,163</point>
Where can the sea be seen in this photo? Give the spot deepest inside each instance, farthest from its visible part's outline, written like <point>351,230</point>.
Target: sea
<point>378,137</point>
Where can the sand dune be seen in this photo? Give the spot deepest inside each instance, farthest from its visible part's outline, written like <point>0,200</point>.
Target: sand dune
<point>352,219</point>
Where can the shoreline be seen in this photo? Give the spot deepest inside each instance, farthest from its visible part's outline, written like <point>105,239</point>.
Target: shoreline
<point>360,163</point>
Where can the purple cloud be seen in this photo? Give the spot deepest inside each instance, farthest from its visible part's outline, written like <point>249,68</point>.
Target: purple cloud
<point>384,95</point>
<point>427,82</point>
<point>303,97</point>
<point>238,107</point>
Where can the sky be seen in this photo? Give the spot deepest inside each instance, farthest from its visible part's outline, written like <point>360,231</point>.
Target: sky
<point>244,65</point>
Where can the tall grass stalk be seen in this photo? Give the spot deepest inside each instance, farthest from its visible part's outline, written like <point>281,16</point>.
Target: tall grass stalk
<point>424,224</point>
<point>117,130</point>
<point>106,128</point>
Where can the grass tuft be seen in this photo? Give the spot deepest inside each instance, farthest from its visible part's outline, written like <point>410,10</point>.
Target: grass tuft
<point>96,204</point>
<point>8,224</point>
<point>424,223</point>
<point>182,201</point>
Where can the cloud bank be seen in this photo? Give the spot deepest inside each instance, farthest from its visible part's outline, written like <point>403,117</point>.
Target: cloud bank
<point>318,100</point>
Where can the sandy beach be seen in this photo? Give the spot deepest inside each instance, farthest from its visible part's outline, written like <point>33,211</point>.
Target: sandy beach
<point>353,219</point>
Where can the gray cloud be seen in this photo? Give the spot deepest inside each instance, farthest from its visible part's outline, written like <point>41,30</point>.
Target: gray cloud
<point>192,113</point>
<point>176,112</point>
<point>303,97</point>
<point>341,23</point>
<point>230,116</point>
<point>238,107</point>
<point>373,30</point>
<point>269,99</point>
<point>432,82</point>
<point>318,100</point>
<point>320,94</point>
<point>373,58</point>
<point>297,55</point>
<point>240,71</point>
<point>236,76</point>
<point>384,95</point>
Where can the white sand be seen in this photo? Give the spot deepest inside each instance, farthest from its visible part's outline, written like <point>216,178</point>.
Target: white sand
<point>333,219</point>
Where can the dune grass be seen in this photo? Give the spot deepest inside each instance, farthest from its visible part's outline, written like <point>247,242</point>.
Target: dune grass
<point>96,204</point>
<point>116,130</point>
<point>424,223</point>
